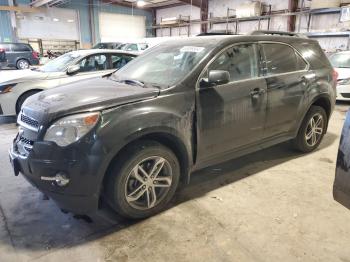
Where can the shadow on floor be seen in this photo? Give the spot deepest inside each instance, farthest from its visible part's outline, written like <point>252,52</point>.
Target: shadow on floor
<point>38,225</point>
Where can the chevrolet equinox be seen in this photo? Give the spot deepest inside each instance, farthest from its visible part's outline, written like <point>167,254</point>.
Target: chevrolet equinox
<point>129,139</point>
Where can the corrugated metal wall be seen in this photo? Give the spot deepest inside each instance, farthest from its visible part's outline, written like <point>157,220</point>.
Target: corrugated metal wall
<point>5,24</point>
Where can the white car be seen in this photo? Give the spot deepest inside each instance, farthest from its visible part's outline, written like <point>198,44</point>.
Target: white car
<point>17,86</point>
<point>341,63</point>
<point>134,47</point>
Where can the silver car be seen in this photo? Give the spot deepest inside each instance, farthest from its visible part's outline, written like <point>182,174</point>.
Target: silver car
<point>17,86</point>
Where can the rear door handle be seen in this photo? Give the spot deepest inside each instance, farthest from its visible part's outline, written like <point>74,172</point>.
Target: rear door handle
<point>257,92</point>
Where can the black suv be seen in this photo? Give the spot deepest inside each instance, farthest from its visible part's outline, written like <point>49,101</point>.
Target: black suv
<point>129,139</point>
<point>19,55</point>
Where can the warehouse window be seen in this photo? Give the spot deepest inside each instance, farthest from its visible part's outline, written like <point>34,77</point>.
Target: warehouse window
<point>282,59</point>
<point>240,61</point>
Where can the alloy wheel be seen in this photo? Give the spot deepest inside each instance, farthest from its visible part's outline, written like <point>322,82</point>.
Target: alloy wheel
<point>314,130</point>
<point>148,183</point>
<point>23,64</point>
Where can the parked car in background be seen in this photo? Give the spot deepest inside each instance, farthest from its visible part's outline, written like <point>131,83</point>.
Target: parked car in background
<point>109,45</point>
<point>341,63</point>
<point>341,186</point>
<point>3,60</point>
<point>20,55</point>
<point>135,47</point>
<point>129,139</point>
<point>16,87</point>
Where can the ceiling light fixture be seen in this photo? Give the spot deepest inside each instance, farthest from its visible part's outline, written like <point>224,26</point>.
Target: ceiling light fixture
<point>55,19</point>
<point>141,3</point>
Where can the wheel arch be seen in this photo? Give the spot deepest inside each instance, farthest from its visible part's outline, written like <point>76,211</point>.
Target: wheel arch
<point>23,94</point>
<point>170,140</point>
<point>323,101</point>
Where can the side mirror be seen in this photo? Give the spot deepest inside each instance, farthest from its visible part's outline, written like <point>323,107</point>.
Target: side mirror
<point>73,69</point>
<point>218,77</point>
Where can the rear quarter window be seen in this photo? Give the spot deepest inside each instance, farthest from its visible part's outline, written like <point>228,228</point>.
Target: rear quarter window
<point>280,58</point>
<point>6,47</point>
<point>313,53</point>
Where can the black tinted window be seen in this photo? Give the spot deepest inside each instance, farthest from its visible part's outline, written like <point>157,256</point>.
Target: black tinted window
<point>21,48</point>
<point>282,59</point>
<point>240,61</point>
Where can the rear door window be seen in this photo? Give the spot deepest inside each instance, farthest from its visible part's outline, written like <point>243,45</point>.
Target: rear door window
<point>21,48</point>
<point>280,58</point>
<point>120,60</point>
<point>94,63</point>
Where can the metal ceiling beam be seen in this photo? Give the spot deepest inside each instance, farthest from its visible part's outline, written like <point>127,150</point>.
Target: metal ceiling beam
<point>38,3</point>
<point>22,9</point>
<point>197,3</point>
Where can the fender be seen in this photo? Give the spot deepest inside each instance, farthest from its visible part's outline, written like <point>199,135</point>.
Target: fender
<point>126,124</point>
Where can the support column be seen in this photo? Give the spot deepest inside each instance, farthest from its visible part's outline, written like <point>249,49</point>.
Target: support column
<point>204,15</point>
<point>293,7</point>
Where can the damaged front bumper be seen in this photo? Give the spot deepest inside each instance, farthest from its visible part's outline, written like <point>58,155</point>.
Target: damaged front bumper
<point>70,176</point>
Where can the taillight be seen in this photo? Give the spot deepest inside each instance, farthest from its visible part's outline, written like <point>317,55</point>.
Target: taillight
<point>335,75</point>
<point>2,50</point>
<point>35,55</point>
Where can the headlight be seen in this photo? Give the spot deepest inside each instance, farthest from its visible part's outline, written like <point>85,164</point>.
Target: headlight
<point>71,128</point>
<point>6,88</point>
<point>344,81</point>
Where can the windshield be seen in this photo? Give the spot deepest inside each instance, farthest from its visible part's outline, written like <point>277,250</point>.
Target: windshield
<point>60,63</point>
<point>340,60</point>
<point>164,65</point>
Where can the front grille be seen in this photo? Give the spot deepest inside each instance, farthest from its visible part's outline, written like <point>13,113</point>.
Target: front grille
<point>29,122</point>
<point>346,95</point>
<point>26,141</point>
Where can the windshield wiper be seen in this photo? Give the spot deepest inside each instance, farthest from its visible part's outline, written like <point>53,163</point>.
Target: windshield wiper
<point>132,82</point>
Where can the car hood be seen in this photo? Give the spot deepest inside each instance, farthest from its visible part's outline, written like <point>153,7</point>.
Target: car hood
<point>343,73</point>
<point>19,76</point>
<point>88,95</point>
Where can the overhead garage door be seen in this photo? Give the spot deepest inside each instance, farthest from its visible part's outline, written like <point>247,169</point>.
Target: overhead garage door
<point>117,27</point>
<point>49,24</point>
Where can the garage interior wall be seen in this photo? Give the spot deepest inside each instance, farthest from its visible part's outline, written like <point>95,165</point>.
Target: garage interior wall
<point>82,9</point>
<point>184,10</point>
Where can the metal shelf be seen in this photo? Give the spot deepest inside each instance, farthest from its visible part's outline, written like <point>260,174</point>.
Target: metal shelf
<point>329,34</point>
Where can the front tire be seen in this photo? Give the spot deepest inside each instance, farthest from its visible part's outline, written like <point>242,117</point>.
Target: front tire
<point>22,64</point>
<point>143,180</point>
<point>312,130</point>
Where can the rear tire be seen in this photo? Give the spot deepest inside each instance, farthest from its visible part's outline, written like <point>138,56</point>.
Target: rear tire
<point>23,98</point>
<point>133,190</point>
<point>312,130</point>
<point>22,64</point>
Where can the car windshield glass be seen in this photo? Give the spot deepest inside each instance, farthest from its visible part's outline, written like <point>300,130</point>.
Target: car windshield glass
<point>340,60</point>
<point>164,65</point>
<point>60,63</point>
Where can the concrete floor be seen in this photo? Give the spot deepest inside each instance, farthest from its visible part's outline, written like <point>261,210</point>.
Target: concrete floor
<point>274,205</point>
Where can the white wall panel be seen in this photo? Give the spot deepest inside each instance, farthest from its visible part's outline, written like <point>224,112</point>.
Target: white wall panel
<point>119,27</point>
<point>51,23</point>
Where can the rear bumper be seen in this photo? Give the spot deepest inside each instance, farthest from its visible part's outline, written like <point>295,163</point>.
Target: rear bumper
<point>81,195</point>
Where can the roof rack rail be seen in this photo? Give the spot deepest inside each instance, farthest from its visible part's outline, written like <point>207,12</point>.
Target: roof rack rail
<point>281,33</point>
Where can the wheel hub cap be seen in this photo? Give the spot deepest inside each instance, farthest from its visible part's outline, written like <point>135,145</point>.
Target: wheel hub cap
<point>314,130</point>
<point>148,183</point>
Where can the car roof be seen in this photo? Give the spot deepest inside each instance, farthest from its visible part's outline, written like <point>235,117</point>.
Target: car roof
<point>6,43</point>
<point>97,51</point>
<point>228,39</point>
